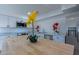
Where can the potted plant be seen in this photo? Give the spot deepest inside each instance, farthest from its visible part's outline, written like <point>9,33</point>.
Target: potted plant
<point>33,38</point>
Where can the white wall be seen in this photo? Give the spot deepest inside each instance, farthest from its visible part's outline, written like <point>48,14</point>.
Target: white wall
<point>46,24</point>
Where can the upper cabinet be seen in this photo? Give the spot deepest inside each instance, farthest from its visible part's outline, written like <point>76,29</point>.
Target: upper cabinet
<point>3,21</point>
<point>12,21</point>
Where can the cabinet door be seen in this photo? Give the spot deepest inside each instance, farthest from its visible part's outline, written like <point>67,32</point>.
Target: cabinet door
<point>3,21</point>
<point>12,22</point>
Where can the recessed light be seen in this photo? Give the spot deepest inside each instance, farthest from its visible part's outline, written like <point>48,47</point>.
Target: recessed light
<point>29,13</point>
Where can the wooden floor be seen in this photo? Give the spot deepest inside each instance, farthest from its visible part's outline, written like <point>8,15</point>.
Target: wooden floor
<point>20,46</point>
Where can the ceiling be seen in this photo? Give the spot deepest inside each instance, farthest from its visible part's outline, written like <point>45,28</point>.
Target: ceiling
<point>20,10</point>
<point>72,13</point>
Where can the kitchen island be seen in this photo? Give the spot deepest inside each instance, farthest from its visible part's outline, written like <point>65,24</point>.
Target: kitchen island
<point>21,46</point>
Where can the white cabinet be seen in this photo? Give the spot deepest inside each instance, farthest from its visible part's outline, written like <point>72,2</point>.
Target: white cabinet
<point>3,21</point>
<point>12,22</point>
<point>59,38</point>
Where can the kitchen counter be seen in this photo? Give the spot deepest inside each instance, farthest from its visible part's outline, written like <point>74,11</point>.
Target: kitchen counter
<point>21,46</point>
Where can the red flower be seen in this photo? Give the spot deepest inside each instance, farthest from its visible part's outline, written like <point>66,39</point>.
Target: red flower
<point>37,28</point>
<point>55,26</point>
